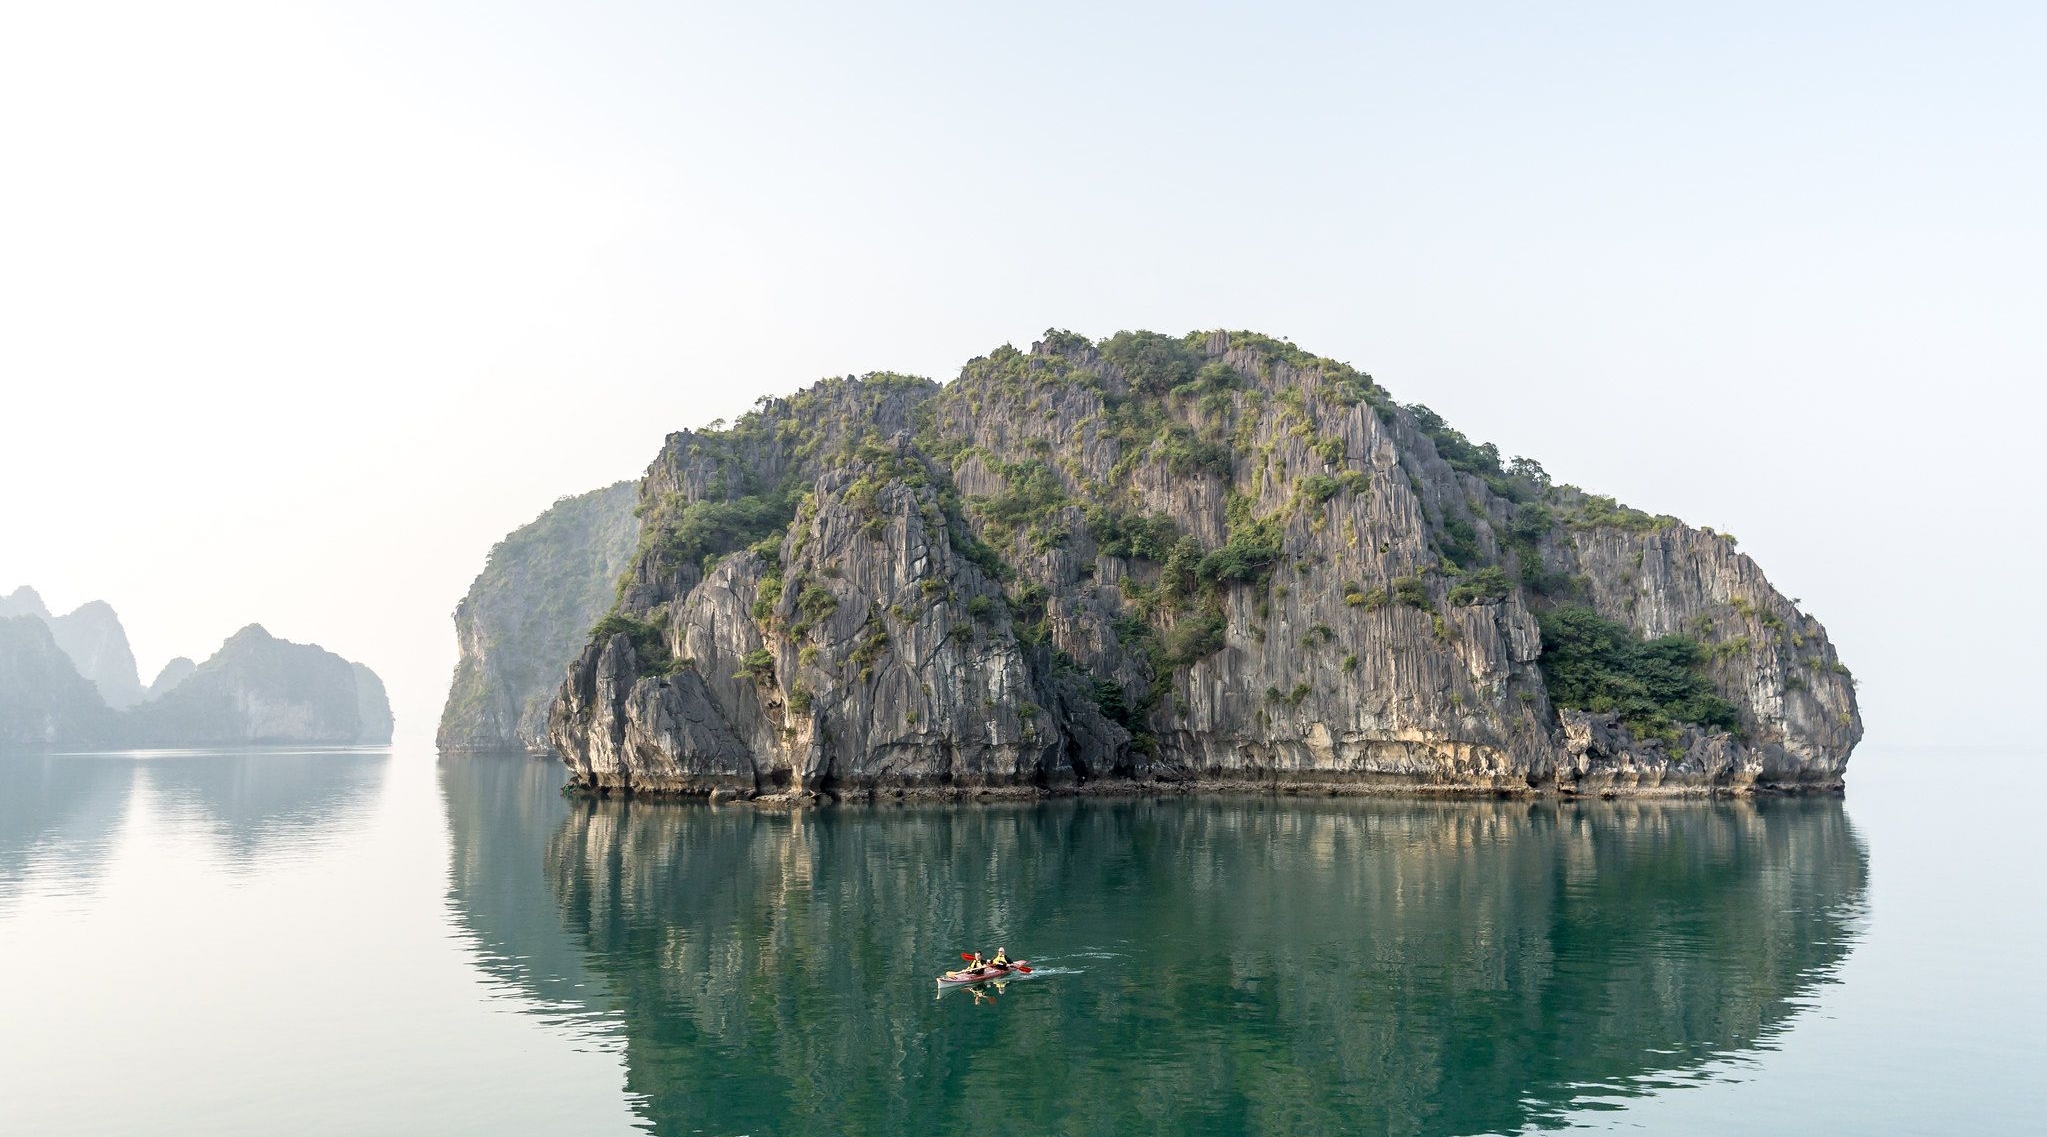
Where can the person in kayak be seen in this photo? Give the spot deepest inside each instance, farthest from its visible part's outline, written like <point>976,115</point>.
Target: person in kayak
<point>976,965</point>
<point>1001,958</point>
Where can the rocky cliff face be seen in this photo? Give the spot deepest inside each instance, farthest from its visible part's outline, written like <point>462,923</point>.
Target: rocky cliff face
<point>1215,558</point>
<point>528,614</point>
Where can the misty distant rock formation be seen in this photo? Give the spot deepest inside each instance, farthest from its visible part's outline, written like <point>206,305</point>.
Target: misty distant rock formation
<point>24,601</point>
<point>175,672</point>
<point>43,699</point>
<point>528,614</point>
<point>55,675</point>
<point>258,688</point>
<point>92,636</point>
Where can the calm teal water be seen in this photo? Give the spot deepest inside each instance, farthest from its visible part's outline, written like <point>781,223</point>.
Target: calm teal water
<point>349,942</point>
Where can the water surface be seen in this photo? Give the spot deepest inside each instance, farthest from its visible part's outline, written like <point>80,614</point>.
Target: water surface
<point>351,941</point>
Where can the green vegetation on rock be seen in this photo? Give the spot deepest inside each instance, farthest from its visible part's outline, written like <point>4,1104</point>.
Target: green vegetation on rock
<point>1247,556</point>
<point>1593,511</point>
<point>1029,505</point>
<point>1595,664</point>
<point>649,641</point>
<point>1149,537</point>
<point>705,529</point>
<point>1483,586</point>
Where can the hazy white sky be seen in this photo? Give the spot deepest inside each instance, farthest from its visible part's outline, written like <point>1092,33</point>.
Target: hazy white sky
<point>302,306</point>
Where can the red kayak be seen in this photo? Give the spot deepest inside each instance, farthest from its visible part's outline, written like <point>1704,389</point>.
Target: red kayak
<point>980,974</point>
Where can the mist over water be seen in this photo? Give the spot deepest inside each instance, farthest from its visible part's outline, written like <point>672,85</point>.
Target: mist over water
<point>409,945</point>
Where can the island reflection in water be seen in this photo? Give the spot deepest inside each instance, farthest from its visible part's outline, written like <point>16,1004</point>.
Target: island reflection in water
<point>263,803</point>
<point>1223,966</point>
<point>57,819</point>
<point>62,812</point>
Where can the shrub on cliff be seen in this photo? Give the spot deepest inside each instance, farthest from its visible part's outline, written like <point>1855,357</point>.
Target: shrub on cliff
<point>1030,501</point>
<point>1411,591</point>
<point>1186,453</point>
<point>757,665</point>
<point>1482,586</point>
<point>1248,553</point>
<point>1150,362</point>
<point>703,529</point>
<point>650,644</point>
<point>1193,639</point>
<point>1595,664</point>
<point>1118,534</point>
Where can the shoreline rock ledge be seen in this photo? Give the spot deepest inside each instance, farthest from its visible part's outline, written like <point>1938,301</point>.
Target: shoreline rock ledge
<point>1156,562</point>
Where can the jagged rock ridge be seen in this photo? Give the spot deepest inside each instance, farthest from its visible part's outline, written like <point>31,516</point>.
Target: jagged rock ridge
<point>527,615</point>
<point>1211,558</point>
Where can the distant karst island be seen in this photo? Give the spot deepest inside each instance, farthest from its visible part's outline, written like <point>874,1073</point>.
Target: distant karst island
<point>1149,561</point>
<point>71,681</point>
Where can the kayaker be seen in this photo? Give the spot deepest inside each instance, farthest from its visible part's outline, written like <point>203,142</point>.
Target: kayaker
<point>955,974</point>
<point>1001,958</point>
<point>977,965</point>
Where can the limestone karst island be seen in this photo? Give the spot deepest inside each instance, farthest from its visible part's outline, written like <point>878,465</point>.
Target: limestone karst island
<point>1210,560</point>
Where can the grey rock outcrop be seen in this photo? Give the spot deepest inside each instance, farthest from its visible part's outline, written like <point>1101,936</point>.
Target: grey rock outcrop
<point>528,614</point>
<point>1211,559</point>
<point>1774,662</point>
